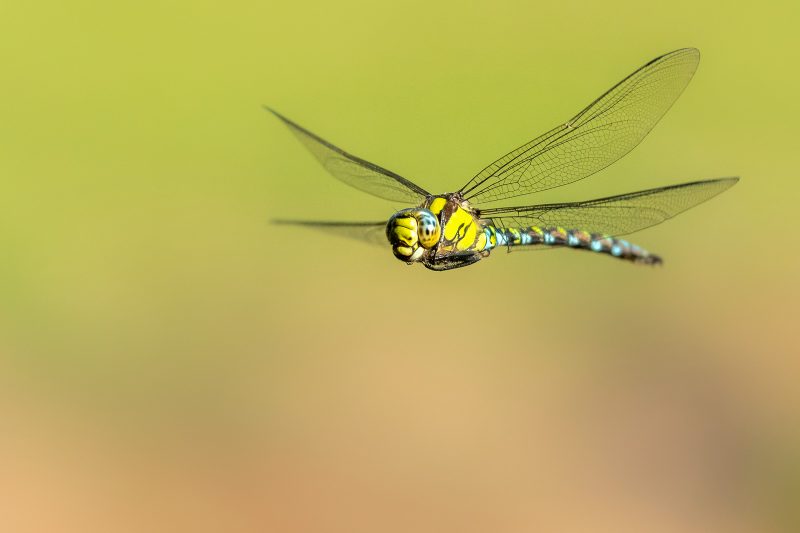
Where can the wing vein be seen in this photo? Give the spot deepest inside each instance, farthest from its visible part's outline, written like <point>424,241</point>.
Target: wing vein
<point>594,138</point>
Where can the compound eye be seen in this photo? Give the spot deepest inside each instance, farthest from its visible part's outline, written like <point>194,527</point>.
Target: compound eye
<point>428,230</point>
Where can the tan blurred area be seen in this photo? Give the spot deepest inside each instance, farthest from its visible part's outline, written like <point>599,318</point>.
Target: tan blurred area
<point>170,361</point>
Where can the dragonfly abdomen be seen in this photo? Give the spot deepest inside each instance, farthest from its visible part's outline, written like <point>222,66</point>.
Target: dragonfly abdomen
<point>571,238</point>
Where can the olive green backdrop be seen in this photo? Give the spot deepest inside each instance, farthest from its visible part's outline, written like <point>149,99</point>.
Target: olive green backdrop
<point>171,361</point>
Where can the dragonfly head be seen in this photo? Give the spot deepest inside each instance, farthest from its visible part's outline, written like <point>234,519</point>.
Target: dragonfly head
<point>411,232</point>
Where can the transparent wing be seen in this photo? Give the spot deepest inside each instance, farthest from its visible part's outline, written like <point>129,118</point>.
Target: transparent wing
<point>606,130</point>
<point>615,215</point>
<point>370,232</point>
<point>354,171</point>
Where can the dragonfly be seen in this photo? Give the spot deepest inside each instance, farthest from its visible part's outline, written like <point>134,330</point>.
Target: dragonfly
<point>457,229</point>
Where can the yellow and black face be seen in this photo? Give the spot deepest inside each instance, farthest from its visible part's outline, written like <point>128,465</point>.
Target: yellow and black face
<point>411,232</point>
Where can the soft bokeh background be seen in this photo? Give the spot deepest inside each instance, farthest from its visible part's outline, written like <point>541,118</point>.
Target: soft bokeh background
<point>170,361</point>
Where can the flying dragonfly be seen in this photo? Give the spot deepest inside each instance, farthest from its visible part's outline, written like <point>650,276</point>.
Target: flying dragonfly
<point>453,230</point>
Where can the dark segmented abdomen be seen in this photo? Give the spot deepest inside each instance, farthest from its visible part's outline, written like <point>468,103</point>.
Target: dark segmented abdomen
<point>572,238</point>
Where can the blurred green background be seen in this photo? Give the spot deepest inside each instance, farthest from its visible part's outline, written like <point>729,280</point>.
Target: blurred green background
<point>170,361</point>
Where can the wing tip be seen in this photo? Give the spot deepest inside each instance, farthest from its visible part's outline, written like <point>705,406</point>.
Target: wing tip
<point>274,112</point>
<point>689,50</point>
<point>728,181</point>
<point>284,222</point>
<point>289,222</point>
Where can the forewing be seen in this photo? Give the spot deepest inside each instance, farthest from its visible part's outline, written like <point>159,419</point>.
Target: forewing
<point>615,215</point>
<point>369,232</point>
<point>354,171</point>
<point>606,130</point>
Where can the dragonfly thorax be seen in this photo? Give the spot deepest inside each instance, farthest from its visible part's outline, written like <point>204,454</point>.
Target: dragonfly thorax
<point>411,232</point>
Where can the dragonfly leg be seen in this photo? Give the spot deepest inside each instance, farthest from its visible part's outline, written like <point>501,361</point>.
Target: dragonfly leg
<point>449,262</point>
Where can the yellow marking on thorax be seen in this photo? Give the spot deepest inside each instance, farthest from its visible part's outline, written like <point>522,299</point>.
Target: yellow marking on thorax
<point>481,243</point>
<point>462,228</point>
<point>437,205</point>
